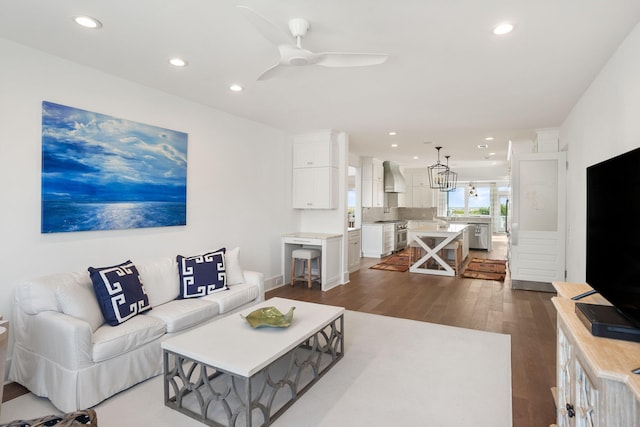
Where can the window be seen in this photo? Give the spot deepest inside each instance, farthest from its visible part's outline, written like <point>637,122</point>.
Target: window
<point>456,201</point>
<point>480,201</point>
<point>468,199</point>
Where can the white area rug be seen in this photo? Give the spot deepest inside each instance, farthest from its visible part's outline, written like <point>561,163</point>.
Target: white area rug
<point>395,372</point>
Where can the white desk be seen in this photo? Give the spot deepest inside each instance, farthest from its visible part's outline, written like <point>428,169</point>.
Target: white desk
<point>329,244</point>
<point>443,236</point>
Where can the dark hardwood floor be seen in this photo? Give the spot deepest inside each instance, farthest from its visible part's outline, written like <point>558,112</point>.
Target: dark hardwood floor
<point>527,316</point>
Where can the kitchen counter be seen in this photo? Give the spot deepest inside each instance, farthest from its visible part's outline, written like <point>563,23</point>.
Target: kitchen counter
<point>435,228</point>
<point>468,219</point>
<point>442,235</point>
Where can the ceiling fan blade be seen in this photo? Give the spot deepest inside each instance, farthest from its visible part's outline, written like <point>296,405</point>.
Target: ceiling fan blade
<point>344,59</point>
<point>271,72</point>
<point>268,29</point>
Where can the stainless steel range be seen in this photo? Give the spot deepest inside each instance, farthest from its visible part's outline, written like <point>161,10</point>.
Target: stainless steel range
<point>399,233</point>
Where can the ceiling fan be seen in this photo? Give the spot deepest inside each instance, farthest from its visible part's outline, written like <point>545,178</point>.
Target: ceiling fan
<point>293,54</point>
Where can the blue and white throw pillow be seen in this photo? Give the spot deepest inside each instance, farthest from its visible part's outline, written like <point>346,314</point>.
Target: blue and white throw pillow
<point>120,292</point>
<point>202,275</point>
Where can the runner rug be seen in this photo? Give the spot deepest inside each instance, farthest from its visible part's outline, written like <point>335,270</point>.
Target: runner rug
<point>486,269</point>
<point>397,262</point>
<point>394,372</point>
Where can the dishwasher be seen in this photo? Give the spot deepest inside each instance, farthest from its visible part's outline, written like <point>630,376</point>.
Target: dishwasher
<point>479,237</point>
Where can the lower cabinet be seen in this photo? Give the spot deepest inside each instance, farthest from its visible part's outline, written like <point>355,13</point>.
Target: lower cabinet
<point>377,240</point>
<point>595,386</point>
<point>354,250</point>
<point>577,396</point>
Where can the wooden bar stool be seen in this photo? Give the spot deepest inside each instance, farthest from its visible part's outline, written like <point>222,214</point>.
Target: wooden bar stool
<point>306,256</point>
<point>454,247</point>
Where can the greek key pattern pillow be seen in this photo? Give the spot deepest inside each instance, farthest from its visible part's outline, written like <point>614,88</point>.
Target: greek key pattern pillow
<point>202,275</point>
<point>120,292</point>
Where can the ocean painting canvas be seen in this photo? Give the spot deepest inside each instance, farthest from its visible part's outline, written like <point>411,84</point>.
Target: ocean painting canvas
<point>105,173</point>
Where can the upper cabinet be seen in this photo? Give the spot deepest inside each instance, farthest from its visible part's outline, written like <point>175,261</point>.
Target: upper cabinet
<point>419,194</point>
<point>315,170</point>
<point>315,150</point>
<point>372,183</point>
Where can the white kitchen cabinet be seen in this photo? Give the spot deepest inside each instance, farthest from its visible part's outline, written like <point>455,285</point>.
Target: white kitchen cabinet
<point>419,178</point>
<point>418,194</point>
<point>377,240</point>
<point>315,171</point>
<point>354,250</point>
<point>372,183</point>
<point>421,197</point>
<point>595,386</point>
<point>315,188</point>
<point>318,149</point>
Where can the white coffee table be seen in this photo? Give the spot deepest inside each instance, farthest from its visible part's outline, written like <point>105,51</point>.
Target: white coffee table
<point>226,373</point>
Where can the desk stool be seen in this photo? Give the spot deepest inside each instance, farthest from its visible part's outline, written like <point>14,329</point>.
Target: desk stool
<point>306,256</point>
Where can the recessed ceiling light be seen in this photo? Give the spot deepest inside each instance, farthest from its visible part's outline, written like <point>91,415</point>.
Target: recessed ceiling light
<point>415,157</point>
<point>235,88</point>
<point>178,62</point>
<point>483,145</point>
<point>393,133</point>
<point>87,22</point>
<point>503,28</point>
<point>492,154</point>
<point>394,145</point>
<point>489,138</point>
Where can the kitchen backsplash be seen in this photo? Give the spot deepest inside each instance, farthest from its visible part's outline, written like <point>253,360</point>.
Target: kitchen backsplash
<point>382,214</point>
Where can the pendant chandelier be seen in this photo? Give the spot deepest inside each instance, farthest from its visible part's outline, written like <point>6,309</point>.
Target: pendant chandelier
<point>450,178</point>
<point>441,177</point>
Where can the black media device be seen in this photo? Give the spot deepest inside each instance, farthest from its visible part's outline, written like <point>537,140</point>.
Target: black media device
<point>613,247</point>
<point>606,321</point>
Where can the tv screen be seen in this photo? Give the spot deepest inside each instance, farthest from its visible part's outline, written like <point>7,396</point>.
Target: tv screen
<point>613,232</point>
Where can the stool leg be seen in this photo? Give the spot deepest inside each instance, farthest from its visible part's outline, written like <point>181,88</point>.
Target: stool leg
<point>309,266</point>
<point>293,270</point>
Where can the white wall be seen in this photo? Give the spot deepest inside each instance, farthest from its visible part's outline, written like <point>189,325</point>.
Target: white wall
<point>238,184</point>
<point>604,123</point>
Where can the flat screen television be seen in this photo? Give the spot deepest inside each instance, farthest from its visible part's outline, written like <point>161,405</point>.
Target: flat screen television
<point>613,232</point>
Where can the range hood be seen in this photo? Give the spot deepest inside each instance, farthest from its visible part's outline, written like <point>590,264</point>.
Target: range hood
<point>393,178</point>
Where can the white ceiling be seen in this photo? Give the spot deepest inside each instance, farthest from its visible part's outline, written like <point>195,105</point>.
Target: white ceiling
<point>448,81</point>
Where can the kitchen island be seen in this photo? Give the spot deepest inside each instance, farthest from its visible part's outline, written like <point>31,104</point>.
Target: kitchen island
<point>330,246</point>
<point>441,235</point>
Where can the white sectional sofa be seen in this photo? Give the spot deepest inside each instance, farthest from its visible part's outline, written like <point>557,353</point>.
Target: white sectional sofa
<point>64,350</point>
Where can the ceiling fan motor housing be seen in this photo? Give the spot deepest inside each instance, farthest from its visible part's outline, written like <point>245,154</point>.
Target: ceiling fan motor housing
<point>298,27</point>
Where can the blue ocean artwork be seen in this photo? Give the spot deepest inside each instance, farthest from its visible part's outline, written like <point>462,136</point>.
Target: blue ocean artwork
<point>104,173</point>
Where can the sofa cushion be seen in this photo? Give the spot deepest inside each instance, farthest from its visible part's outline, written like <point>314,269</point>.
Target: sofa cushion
<point>111,341</point>
<point>160,279</point>
<point>235,275</point>
<point>181,314</point>
<point>79,300</point>
<point>234,297</point>
<point>39,294</point>
<point>202,275</point>
<point>120,293</point>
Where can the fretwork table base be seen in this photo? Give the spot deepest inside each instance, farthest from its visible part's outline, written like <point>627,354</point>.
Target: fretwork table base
<point>219,398</point>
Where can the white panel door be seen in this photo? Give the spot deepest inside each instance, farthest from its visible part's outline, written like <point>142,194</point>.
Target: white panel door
<point>537,233</point>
